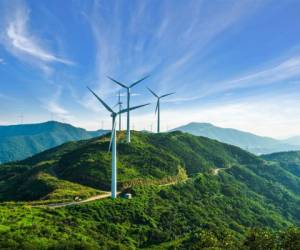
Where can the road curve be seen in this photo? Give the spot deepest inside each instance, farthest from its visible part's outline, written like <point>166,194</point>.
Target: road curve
<point>216,171</point>
<point>93,198</point>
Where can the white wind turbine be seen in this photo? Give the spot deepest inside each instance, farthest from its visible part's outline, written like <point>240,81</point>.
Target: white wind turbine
<point>157,109</point>
<point>120,104</point>
<point>113,142</point>
<point>128,88</point>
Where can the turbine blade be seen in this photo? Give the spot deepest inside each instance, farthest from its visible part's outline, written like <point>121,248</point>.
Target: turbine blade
<point>135,107</point>
<point>152,92</point>
<point>100,100</point>
<point>167,95</point>
<point>112,134</point>
<point>121,84</point>
<point>135,83</point>
<point>156,107</point>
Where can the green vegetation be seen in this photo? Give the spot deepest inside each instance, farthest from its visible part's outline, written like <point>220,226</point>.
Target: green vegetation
<point>18,142</point>
<point>192,215</point>
<point>251,203</point>
<point>290,161</point>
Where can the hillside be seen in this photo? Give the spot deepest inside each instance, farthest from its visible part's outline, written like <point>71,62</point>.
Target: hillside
<point>295,140</point>
<point>204,209</point>
<point>288,160</point>
<point>148,158</point>
<point>248,141</point>
<point>18,142</point>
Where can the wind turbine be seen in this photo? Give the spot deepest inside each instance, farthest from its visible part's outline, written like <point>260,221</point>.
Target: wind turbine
<point>128,88</point>
<point>113,143</point>
<point>157,109</point>
<point>120,104</point>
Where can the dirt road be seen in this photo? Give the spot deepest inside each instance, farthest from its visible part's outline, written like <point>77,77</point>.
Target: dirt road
<point>93,198</point>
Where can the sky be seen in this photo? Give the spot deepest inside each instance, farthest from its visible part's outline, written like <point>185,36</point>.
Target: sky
<point>231,63</point>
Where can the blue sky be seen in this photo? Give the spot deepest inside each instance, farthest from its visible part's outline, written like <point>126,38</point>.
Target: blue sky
<point>232,63</point>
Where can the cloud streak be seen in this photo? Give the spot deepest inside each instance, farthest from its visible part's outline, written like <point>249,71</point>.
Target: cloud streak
<point>55,108</point>
<point>286,69</point>
<point>21,41</point>
<point>134,43</point>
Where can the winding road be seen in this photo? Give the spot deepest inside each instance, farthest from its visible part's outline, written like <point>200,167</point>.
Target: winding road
<point>108,194</point>
<point>216,171</point>
<point>93,198</point>
<point>64,204</point>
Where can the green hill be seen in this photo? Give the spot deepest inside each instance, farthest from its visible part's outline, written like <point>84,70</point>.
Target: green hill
<point>290,161</point>
<point>202,208</point>
<point>248,141</point>
<point>18,142</point>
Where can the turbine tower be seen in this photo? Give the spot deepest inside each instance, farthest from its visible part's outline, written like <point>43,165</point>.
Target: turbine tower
<point>128,88</point>
<point>157,109</point>
<point>120,104</point>
<point>113,142</point>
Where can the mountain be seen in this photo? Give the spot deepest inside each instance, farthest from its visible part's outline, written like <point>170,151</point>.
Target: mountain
<point>18,142</point>
<point>295,140</point>
<point>288,160</point>
<point>250,142</point>
<point>189,192</point>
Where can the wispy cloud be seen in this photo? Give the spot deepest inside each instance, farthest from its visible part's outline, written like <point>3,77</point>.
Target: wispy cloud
<point>2,61</point>
<point>194,39</point>
<point>133,43</point>
<point>4,97</point>
<point>53,105</point>
<point>21,41</point>
<point>281,71</point>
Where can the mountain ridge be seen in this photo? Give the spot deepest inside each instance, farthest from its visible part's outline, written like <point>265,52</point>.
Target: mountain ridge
<point>246,140</point>
<point>18,142</point>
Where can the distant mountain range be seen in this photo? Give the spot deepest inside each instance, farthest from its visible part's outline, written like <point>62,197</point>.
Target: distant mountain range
<point>18,142</point>
<point>248,141</point>
<point>295,140</point>
<point>21,141</point>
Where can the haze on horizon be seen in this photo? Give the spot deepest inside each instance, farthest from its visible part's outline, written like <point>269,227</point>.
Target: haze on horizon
<point>232,63</point>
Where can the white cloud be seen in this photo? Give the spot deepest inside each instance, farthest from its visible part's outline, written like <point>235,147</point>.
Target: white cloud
<point>200,34</point>
<point>2,61</point>
<point>130,48</point>
<point>284,70</point>
<point>23,43</point>
<point>54,106</point>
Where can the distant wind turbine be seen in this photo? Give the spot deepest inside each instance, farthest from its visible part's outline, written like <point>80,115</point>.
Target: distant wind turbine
<point>128,88</point>
<point>157,109</point>
<point>120,104</point>
<point>113,142</point>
